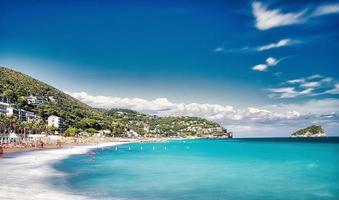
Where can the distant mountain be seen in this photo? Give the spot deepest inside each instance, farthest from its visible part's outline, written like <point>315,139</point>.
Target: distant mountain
<point>311,131</point>
<point>81,117</point>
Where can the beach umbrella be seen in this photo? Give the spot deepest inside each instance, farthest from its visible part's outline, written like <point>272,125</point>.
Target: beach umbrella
<point>13,135</point>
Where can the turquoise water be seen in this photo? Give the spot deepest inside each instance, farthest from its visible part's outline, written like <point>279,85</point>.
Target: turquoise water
<point>209,169</point>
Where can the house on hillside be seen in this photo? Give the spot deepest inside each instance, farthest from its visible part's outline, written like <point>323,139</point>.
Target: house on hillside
<point>52,99</point>
<point>57,122</point>
<point>34,100</point>
<point>21,114</point>
<point>3,108</point>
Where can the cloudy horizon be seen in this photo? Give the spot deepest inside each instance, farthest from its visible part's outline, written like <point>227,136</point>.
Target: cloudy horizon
<point>264,121</point>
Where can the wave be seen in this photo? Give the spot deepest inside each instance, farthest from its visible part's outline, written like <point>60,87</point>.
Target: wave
<point>26,176</point>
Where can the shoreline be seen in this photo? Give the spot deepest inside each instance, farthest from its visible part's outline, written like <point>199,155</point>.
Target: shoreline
<point>71,142</point>
<point>77,142</point>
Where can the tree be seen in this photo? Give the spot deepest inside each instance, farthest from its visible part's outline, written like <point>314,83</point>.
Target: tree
<point>71,131</point>
<point>118,128</point>
<point>88,123</point>
<point>91,130</point>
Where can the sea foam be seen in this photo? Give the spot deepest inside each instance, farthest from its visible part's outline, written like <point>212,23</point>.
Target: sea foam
<point>26,176</point>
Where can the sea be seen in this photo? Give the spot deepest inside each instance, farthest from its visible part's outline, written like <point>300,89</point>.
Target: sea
<point>205,169</point>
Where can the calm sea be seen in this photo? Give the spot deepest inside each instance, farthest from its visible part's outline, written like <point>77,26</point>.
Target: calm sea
<point>276,168</point>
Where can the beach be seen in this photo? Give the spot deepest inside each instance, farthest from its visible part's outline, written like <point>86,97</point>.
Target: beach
<point>68,142</point>
<point>27,175</point>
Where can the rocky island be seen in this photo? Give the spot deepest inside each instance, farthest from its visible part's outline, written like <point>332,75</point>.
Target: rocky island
<point>311,131</point>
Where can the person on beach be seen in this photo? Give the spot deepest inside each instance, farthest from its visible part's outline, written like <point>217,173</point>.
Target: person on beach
<point>1,151</point>
<point>58,144</point>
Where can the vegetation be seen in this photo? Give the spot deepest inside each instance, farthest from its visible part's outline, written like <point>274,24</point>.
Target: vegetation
<point>150,125</point>
<point>80,117</point>
<point>309,131</point>
<point>16,86</point>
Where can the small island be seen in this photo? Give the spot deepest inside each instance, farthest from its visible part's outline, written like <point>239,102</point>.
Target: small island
<point>311,131</point>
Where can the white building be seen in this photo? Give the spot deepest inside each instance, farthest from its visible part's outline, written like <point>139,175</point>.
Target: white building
<point>13,112</point>
<point>22,115</point>
<point>33,100</point>
<point>56,121</point>
<point>3,108</point>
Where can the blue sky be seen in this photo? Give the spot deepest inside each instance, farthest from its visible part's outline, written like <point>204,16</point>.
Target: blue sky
<point>214,59</point>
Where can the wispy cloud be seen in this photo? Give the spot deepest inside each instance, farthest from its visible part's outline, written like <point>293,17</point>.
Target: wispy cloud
<point>288,92</point>
<point>280,43</point>
<point>313,85</point>
<point>270,61</point>
<point>266,18</point>
<point>241,119</point>
<point>334,90</point>
<point>326,9</point>
<point>219,49</point>
<point>223,50</point>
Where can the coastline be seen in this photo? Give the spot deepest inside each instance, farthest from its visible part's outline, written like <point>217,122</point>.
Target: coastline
<point>70,142</point>
<point>26,175</point>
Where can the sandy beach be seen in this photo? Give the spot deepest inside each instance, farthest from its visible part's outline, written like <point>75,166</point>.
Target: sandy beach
<point>68,142</point>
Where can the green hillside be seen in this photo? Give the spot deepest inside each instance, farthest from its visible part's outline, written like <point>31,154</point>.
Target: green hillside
<point>16,85</point>
<point>165,126</point>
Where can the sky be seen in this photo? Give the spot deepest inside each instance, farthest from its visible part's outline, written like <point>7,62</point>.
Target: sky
<point>259,68</point>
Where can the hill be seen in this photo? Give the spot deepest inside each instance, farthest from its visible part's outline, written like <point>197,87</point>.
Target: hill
<point>311,131</point>
<point>80,117</point>
<point>16,85</point>
<point>150,125</point>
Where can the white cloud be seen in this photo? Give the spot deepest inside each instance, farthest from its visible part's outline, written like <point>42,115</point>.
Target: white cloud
<point>289,92</point>
<point>242,120</point>
<point>311,84</point>
<point>315,76</point>
<point>285,92</point>
<point>266,18</point>
<point>219,49</point>
<point>270,61</point>
<point>280,43</point>
<point>260,67</point>
<point>294,81</point>
<point>326,9</point>
<point>159,106</point>
<point>335,90</point>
